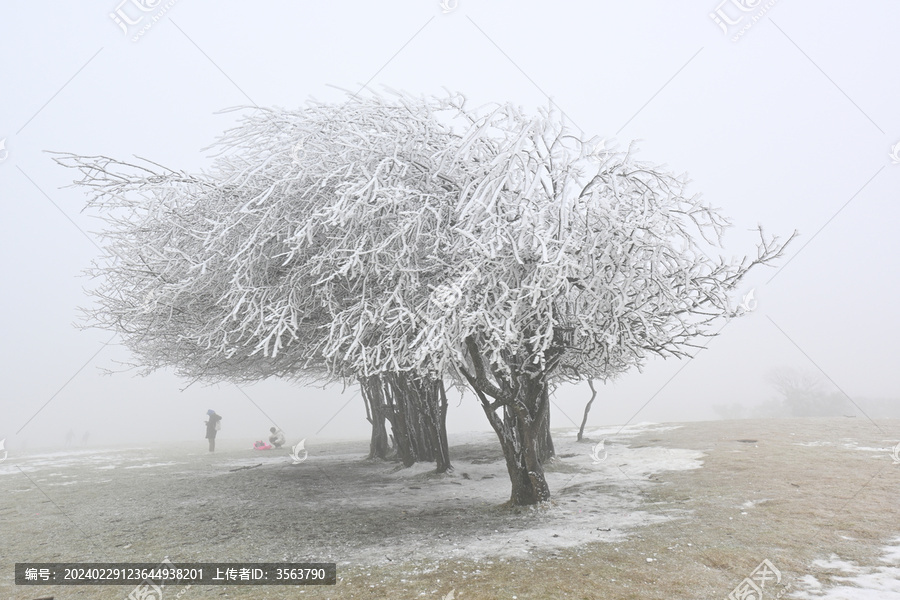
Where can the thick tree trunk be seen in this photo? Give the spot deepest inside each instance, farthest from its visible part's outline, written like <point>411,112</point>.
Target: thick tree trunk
<point>523,425</point>
<point>443,447</point>
<point>379,445</point>
<point>521,448</point>
<point>402,427</point>
<point>425,416</point>
<point>431,402</point>
<point>520,438</point>
<point>417,411</point>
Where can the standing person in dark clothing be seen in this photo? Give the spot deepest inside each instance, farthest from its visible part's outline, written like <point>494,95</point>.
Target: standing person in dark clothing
<point>212,426</point>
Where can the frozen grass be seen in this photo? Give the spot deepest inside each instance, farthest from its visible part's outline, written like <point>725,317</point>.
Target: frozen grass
<point>648,522</point>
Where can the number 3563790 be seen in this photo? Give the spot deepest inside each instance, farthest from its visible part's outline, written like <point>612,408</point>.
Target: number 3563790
<point>300,574</point>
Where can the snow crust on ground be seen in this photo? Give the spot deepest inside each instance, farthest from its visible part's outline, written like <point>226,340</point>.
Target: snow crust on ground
<point>104,458</point>
<point>855,582</point>
<point>592,500</point>
<point>847,443</point>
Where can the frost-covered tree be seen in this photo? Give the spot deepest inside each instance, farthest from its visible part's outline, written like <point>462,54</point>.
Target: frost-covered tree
<point>561,267</point>
<point>239,273</point>
<point>401,242</point>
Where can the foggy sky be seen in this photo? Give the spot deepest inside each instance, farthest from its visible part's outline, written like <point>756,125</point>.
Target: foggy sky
<point>790,127</point>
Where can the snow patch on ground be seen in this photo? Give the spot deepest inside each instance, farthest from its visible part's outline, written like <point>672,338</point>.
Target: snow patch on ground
<point>870,449</point>
<point>855,582</point>
<point>755,503</point>
<point>104,458</point>
<point>623,431</point>
<point>845,443</point>
<point>591,501</point>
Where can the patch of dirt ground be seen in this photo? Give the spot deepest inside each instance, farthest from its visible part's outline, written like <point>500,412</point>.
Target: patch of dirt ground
<point>674,511</point>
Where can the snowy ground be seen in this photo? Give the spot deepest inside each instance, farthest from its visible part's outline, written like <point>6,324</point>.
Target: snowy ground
<point>853,581</point>
<point>672,511</point>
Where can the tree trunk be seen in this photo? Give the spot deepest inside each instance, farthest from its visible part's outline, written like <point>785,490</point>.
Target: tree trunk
<point>520,437</point>
<point>425,409</point>
<point>545,447</point>
<point>379,445</point>
<point>416,408</point>
<point>443,447</point>
<point>587,409</point>
<point>403,428</point>
<point>524,427</point>
<point>431,401</point>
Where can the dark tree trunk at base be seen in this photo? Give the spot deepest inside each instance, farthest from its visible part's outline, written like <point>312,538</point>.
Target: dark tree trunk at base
<point>544,440</point>
<point>416,408</point>
<point>379,445</point>
<point>442,446</point>
<point>520,416</point>
<point>526,471</point>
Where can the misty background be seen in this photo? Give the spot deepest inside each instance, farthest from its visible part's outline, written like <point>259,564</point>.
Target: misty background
<point>791,126</point>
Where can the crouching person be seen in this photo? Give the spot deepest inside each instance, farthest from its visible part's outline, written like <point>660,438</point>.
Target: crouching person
<point>277,437</point>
